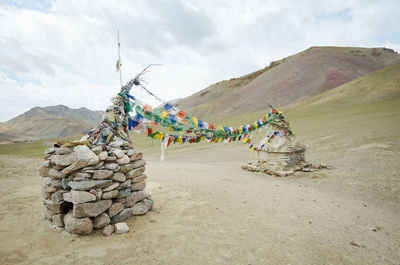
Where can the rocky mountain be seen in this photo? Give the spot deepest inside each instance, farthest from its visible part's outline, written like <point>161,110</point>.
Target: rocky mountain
<point>49,122</point>
<point>288,81</point>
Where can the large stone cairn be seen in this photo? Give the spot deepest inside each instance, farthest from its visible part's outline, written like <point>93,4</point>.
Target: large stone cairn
<point>98,181</point>
<point>283,155</point>
<point>85,188</point>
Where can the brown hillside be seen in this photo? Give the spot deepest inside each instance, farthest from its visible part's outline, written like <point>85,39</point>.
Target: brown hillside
<point>49,122</point>
<point>289,80</point>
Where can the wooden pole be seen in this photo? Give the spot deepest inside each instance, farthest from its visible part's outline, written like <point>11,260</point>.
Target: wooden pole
<point>119,61</point>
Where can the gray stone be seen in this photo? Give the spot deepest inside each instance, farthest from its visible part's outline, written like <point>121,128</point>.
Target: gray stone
<point>67,196</point>
<point>58,196</point>
<point>139,163</point>
<point>56,183</point>
<point>111,187</point>
<point>121,228</point>
<point>88,170</point>
<point>108,230</point>
<point>55,174</point>
<point>101,221</point>
<point>280,173</point>
<point>89,184</point>
<point>102,174</point>
<point>46,163</point>
<point>64,184</point>
<point>131,152</point>
<point>142,207</point>
<point>44,171</point>
<point>124,185</point>
<point>139,178</point>
<point>124,160</point>
<point>118,153</point>
<point>137,156</point>
<point>118,177</point>
<point>58,207</point>
<point>126,168</point>
<point>91,209</point>
<point>306,169</point>
<point>78,197</point>
<point>109,195</point>
<point>63,151</point>
<point>125,214</point>
<point>83,152</point>
<point>50,150</point>
<point>97,149</point>
<point>99,194</point>
<point>135,172</point>
<point>112,166</point>
<point>80,226</point>
<point>138,185</point>
<point>99,165</point>
<point>134,197</point>
<point>78,164</point>
<point>63,160</point>
<point>81,176</point>
<point>103,155</point>
<point>58,220</point>
<point>124,193</point>
<point>115,208</point>
<point>111,159</point>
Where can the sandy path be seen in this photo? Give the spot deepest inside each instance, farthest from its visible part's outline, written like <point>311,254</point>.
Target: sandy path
<point>207,211</point>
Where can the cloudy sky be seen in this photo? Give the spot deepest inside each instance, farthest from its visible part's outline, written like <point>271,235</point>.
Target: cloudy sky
<point>64,52</point>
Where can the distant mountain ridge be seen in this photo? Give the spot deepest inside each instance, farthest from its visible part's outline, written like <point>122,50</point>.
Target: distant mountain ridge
<point>288,81</point>
<point>49,122</point>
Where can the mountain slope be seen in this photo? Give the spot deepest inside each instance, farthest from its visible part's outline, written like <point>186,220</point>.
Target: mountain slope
<point>49,122</point>
<point>289,80</point>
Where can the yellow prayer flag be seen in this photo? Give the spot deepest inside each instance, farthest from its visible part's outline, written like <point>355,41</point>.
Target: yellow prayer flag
<point>195,121</point>
<point>164,114</point>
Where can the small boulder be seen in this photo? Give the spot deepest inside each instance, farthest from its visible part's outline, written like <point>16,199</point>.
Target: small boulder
<point>115,208</point>
<point>101,221</point>
<point>109,195</point>
<point>118,153</point>
<point>63,160</point>
<point>121,228</point>
<point>102,174</point>
<point>124,193</point>
<point>123,160</point>
<point>83,152</point>
<point>134,197</point>
<point>80,226</point>
<point>118,177</point>
<point>111,187</point>
<point>103,155</point>
<point>78,197</point>
<point>135,172</point>
<point>108,230</point>
<point>138,185</point>
<point>91,209</point>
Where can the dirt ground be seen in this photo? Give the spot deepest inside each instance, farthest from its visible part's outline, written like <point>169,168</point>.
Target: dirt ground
<point>209,211</point>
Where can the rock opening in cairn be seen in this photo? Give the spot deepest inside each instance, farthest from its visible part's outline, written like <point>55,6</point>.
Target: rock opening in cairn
<point>98,181</point>
<point>280,153</point>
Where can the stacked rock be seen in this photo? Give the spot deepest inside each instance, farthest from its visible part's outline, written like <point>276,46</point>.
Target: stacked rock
<point>281,154</point>
<point>89,188</point>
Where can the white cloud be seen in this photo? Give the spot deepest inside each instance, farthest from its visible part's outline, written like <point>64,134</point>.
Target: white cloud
<point>64,52</point>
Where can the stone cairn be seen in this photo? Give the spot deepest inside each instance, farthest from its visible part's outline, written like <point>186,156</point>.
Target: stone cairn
<point>283,154</point>
<point>97,182</point>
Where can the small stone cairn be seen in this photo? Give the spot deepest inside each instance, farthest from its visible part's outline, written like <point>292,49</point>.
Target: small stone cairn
<point>283,155</point>
<point>99,181</point>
